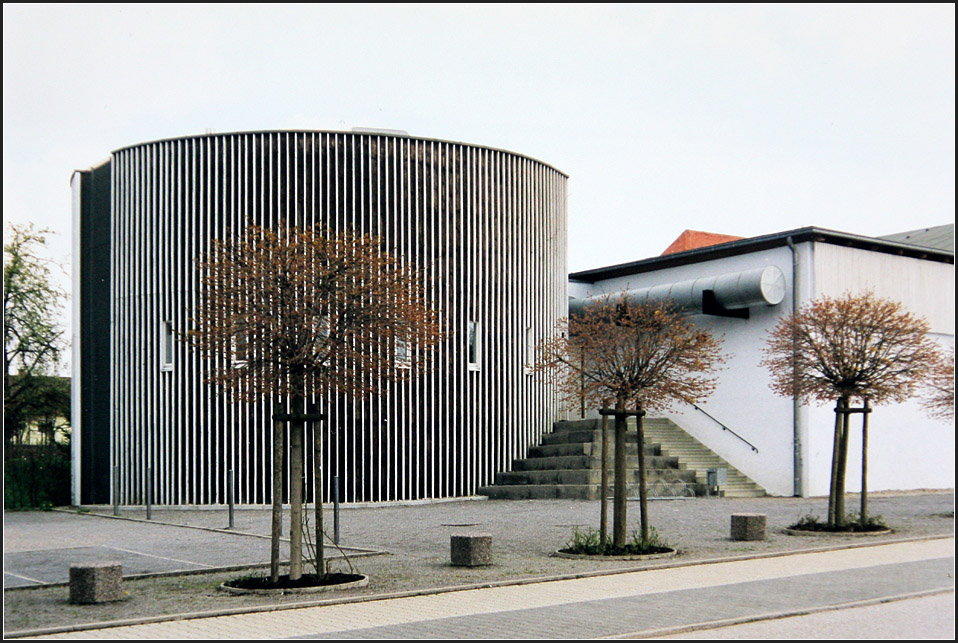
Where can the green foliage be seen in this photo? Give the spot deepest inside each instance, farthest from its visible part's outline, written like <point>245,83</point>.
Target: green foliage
<point>32,337</point>
<point>246,579</point>
<point>36,477</point>
<point>871,522</point>
<point>586,542</point>
<point>590,543</point>
<point>653,543</point>
<point>41,401</point>
<point>810,522</point>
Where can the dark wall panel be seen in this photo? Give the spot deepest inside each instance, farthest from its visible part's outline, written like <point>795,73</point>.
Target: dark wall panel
<point>94,262</point>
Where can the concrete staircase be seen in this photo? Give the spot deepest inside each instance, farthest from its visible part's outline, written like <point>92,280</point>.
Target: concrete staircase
<point>567,464</point>
<point>694,456</point>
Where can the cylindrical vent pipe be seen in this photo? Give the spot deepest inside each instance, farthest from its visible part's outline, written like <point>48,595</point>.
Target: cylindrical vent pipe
<point>734,290</point>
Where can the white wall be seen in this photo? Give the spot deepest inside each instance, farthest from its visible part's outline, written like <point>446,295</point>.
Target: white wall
<point>76,408</point>
<point>743,400</point>
<point>926,288</point>
<point>906,449</point>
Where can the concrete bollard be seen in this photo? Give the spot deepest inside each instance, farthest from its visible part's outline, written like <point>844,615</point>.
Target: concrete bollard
<point>471,550</point>
<point>96,583</point>
<point>748,526</point>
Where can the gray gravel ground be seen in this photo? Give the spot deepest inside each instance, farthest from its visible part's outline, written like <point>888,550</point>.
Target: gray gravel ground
<point>416,538</point>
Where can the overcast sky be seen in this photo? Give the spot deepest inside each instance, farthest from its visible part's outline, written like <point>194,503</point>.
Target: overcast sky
<point>743,120</point>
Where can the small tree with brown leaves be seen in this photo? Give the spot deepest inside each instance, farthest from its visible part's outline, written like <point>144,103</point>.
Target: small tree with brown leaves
<point>939,390</point>
<point>291,315</point>
<point>641,356</point>
<point>852,348</point>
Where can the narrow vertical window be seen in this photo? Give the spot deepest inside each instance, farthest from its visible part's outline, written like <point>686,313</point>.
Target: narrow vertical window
<point>239,347</point>
<point>166,348</point>
<point>473,347</point>
<point>403,355</point>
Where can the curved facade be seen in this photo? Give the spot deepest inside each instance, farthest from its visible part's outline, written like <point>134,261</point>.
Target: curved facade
<point>489,226</point>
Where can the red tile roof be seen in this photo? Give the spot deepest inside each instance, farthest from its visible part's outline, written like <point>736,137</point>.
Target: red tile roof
<point>692,239</point>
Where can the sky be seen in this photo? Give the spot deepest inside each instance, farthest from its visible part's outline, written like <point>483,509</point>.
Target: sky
<point>743,120</point>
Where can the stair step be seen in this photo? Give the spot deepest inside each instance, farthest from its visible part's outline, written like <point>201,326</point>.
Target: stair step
<point>695,456</point>
<point>589,462</point>
<point>585,448</point>
<point>586,476</point>
<point>586,437</point>
<point>577,425</point>
<point>567,464</point>
<point>565,491</point>
<point>538,491</point>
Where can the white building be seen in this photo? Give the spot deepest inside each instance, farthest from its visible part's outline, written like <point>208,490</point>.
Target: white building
<point>786,447</point>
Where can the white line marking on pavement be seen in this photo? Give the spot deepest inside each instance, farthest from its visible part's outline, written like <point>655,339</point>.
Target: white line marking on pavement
<point>176,560</point>
<point>32,580</point>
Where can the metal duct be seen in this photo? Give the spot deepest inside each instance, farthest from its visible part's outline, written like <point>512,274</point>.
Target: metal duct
<point>731,291</point>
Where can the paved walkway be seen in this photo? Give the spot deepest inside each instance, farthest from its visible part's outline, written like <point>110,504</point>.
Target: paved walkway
<point>631,604</point>
<point>919,618</point>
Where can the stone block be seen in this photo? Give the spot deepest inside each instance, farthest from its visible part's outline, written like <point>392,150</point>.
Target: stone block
<point>96,583</point>
<point>748,526</point>
<point>471,550</point>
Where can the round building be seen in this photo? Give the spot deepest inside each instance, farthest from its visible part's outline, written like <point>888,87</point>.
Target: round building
<point>488,225</point>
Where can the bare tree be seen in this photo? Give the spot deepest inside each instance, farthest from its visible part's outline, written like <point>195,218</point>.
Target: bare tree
<point>852,348</point>
<point>291,316</point>
<point>642,357</point>
<point>939,390</point>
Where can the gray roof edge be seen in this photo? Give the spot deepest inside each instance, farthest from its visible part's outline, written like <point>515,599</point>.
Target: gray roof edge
<point>95,166</point>
<point>397,134</point>
<point>941,237</point>
<point>754,244</point>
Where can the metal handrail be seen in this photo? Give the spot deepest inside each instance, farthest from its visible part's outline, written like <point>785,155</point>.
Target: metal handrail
<point>725,428</point>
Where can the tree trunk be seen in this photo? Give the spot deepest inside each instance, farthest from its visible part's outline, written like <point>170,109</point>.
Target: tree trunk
<point>840,514</point>
<point>643,498</point>
<point>296,495</point>
<point>582,387</point>
<point>604,484</point>
<point>318,496</point>
<point>619,518</point>
<point>863,514</point>
<point>277,498</point>
<point>836,448</point>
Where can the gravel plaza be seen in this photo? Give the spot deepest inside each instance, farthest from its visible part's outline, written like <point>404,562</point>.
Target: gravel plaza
<point>174,563</point>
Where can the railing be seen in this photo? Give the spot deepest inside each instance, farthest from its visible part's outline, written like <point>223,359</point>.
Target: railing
<point>725,428</point>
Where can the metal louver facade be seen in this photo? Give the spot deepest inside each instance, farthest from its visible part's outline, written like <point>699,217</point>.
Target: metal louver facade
<point>488,225</point>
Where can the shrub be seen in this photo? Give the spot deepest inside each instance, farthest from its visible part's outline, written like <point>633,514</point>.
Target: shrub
<point>36,477</point>
<point>589,543</point>
<point>853,523</point>
<point>586,542</point>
